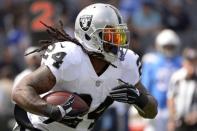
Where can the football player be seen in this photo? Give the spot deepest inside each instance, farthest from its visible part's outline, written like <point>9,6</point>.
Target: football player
<point>96,64</point>
<point>161,65</point>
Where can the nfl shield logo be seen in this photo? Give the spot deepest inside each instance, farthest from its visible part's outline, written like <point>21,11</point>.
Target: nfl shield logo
<point>85,22</point>
<point>98,83</point>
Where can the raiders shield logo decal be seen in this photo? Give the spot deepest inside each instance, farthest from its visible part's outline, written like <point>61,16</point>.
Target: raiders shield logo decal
<point>85,22</point>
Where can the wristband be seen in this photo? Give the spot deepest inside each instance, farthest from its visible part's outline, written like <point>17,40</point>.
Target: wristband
<point>55,113</point>
<point>63,113</point>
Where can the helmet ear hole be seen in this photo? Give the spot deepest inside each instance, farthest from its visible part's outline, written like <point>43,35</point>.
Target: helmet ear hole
<point>87,37</point>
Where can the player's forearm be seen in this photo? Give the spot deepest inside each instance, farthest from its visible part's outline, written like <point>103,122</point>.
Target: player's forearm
<point>171,109</point>
<point>146,103</point>
<point>26,93</point>
<point>27,98</point>
<point>150,109</point>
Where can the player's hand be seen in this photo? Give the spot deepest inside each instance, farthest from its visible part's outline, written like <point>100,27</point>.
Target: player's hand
<point>67,106</point>
<point>125,93</point>
<point>60,112</point>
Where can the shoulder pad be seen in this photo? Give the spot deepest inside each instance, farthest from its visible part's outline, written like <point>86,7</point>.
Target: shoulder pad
<point>131,59</point>
<point>131,67</point>
<point>73,52</point>
<point>62,58</point>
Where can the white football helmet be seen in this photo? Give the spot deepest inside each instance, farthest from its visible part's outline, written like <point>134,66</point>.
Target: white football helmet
<point>100,25</point>
<point>168,42</point>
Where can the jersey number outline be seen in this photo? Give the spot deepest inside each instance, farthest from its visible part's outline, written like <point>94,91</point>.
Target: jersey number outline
<point>57,57</point>
<point>93,115</point>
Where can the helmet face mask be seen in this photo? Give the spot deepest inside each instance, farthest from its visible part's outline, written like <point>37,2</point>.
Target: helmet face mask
<point>168,50</point>
<point>100,29</point>
<point>114,39</point>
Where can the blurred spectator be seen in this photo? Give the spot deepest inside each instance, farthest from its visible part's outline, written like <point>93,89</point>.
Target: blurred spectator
<point>135,44</point>
<point>182,95</point>
<point>146,22</point>
<point>2,41</point>
<point>129,7</point>
<point>122,115</point>
<point>108,121</point>
<point>6,108</point>
<point>9,61</point>
<point>64,17</point>
<point>33,62</point>
<point>147,19</point>
<point>157,69</point>
<point>18,39</point>
<point>74,6</point>
<point>6,78</point>
<point>174,16</point>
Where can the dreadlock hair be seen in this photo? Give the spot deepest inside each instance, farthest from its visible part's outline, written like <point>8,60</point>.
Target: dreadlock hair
<point>58,34</point>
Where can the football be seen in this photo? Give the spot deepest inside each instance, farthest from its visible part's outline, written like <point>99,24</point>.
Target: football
<point>79,106</point>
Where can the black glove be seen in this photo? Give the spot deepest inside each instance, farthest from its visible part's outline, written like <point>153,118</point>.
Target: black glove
<point>60,112</point>
<point>127,93</point>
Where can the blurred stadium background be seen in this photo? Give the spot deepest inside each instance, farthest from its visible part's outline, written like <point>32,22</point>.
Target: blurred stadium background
<point>20,28</point>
